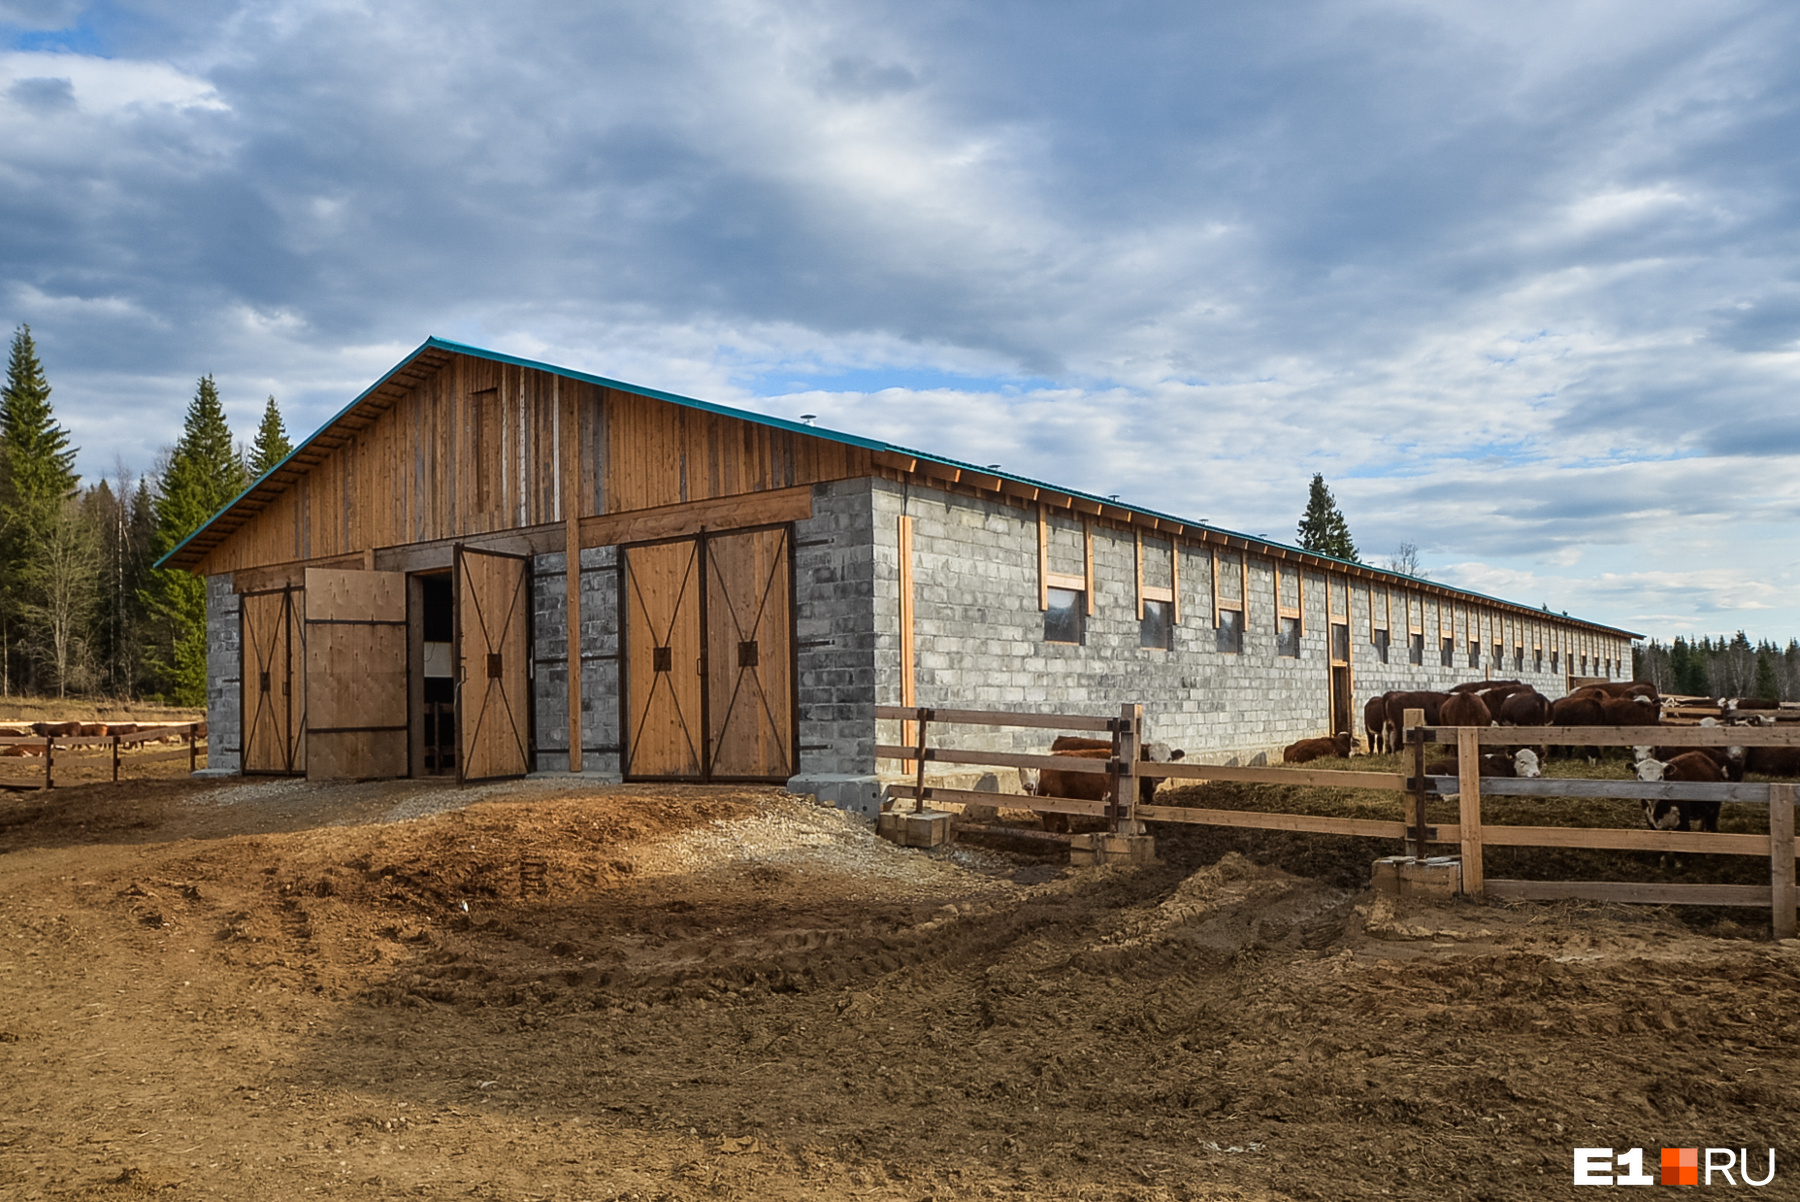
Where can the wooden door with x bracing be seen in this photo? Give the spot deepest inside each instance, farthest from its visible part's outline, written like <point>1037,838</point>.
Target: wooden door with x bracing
<point>493,675</point>
<point>709,658</point>
<point>274,685</point>
<point>749,656</point>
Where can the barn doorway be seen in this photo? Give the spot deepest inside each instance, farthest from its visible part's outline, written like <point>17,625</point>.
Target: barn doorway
<point>709,684</point>
<point>432,676</point>
<point>355,669</point>
<point>1342,715</point>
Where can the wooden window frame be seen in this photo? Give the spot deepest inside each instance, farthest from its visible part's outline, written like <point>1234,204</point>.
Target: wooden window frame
<point>1048,580</point>
<point>1297,612</point>
<point>1152,592</point>
<point>1242,608</point>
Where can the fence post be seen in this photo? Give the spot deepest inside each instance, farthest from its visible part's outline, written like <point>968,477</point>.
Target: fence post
<point>49,761</point>
<point>1125,780</point>
<point>919,780</point>
<point>1414,817</point>
<point>1468,764</point>
<point>193,750</point>
<point>1781,860</point>
<point>115,755</point>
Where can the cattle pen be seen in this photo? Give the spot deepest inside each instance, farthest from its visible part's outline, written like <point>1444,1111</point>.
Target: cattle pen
<point>1123,812</point>
<point>46,747</point>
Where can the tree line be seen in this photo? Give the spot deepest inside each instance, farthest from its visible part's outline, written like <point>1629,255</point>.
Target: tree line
<point>1733,667</point>
<point>83,609</point>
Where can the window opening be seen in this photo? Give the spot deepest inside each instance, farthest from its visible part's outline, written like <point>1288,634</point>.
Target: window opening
<point>1063,620</point>
<point>1157,628</point>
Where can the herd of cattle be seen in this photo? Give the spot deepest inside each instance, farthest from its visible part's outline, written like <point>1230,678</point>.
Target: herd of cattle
<point>81,730</point>
<point>1495,703</point>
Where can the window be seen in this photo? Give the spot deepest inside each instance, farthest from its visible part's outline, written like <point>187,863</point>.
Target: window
<point>1063,620</point>
<point>1499,660</point>
<point>1555,660</point>
<point>1518,658</point>
<point>1287,638</point>
<point>1157,629</point>
<point>1537,659</point>
<point>1379,641</point>
<point>1474,654</point>
<point>1340,642</point>
<point>1415,648</point>
<point>1584,665</point>
<point>1447,654</point>
<point>1231,630</point>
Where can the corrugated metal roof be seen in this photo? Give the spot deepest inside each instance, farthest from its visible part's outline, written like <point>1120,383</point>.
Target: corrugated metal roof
<point>435,351</point>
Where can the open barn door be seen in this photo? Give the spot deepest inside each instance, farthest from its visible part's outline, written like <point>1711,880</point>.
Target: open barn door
<point>664,721</point>
<point>493,677</point>
<point>355,657</point>
<point>749,656</point>
<point>274,694</point>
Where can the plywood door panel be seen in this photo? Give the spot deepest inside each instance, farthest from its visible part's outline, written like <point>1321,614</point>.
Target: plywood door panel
<point>749,656</point>
<point>664,718</point>
<point>274,698</point>
<point>493,679</point>
<point>355,672</point>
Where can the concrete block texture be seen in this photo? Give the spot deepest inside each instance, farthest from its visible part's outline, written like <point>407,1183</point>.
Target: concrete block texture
<point>837,606</point>
<point>224,676</point>
<point>599,661</point>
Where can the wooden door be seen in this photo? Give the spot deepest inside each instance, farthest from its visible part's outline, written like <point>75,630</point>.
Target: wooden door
<point>493,670</point>
<point>274,686</point>
<point>662,699</point>
<point>749,656</point>
<point>355,657</point>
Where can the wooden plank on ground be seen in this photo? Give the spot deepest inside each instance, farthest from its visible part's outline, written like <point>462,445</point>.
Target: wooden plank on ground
<point>1365,828</point>
<point>998,718</point>
<point>1620,839</point>
<point>1010,801</point>
<point>1642,893</point>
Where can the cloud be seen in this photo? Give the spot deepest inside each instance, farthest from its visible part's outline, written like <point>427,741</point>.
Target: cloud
<point>1521,285</point>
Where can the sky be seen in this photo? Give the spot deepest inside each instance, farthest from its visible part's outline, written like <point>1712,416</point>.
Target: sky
<point>1522,281</point>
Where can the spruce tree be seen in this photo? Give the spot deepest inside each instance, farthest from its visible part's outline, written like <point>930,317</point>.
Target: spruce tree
<point>37,476</point>
<point>1767,687</point>
<point>203,475</point>
<point>272,445</point>
<point>1322,527</point>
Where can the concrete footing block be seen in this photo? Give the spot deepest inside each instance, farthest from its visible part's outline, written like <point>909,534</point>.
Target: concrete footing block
<point>861,795</point>
<point>926,828</point>
<point>1408,876</point>
<point>1086,851</point>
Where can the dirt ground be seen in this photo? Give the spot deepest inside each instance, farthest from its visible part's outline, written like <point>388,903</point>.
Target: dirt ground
<point>542,991</point>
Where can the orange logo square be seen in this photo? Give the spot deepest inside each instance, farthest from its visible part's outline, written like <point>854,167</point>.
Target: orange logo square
<point>1681,1166</point>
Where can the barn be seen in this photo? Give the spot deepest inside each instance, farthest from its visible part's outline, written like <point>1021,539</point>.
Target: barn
<point>485,567</point>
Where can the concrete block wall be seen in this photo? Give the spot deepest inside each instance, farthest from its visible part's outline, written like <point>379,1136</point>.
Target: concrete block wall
<point>224,676</point>
<point>837,611</point>
<point>599,661</point>
<point>979,637</point>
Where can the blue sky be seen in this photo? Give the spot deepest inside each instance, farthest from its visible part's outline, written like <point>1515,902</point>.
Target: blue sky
<point>1522,281</point>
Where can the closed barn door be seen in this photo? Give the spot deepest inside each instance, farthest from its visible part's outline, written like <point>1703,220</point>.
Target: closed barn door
<point>274,700</point>
<point>355,659</point>
<point>749,656</point>
<point>665,728</point>
<point>493,614</point>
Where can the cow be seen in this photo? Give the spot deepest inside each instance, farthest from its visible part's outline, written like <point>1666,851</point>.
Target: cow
<point>1482,686</point>
<point>1677,815</point>
<point>1338,745</point>
<point>1730,759</point>
<point>1527,707</point>
<point>56,730</point>
<point>1093,786</point>
<point>1376,726</point>
<point>1630,711</point>
<point>1773,761</point>
<point>1522,763</point>
<point>1465,709</point>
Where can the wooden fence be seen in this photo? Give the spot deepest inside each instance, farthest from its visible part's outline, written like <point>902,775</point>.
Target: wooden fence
<point>1470,834</point>
<point>51,744</point>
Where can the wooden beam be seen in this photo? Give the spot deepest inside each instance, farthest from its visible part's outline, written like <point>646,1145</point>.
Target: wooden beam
<point>1782,897</point>
<point>569,472</point>
<point>1628,736</point>
<point>1363,828</point>
<point>1469,809</point>
<point>1631,891</point>
<point>908,663</point>
<point>1087,562</point>
<point>672,521</point>
<point>1621,839</point>
<point>1043,533</point>
<point>998,718</point>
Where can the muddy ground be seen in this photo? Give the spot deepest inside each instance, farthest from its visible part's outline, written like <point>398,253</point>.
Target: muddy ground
<point>276,991</point>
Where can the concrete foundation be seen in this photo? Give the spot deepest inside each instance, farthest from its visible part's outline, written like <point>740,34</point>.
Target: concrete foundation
<point>1087,851</point>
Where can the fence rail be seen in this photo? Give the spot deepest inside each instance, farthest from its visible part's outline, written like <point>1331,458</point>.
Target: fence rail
<point>1123,768</point>
<point>51,744</point>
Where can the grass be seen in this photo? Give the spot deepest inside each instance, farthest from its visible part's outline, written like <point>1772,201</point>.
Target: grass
<point>93,709</point>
